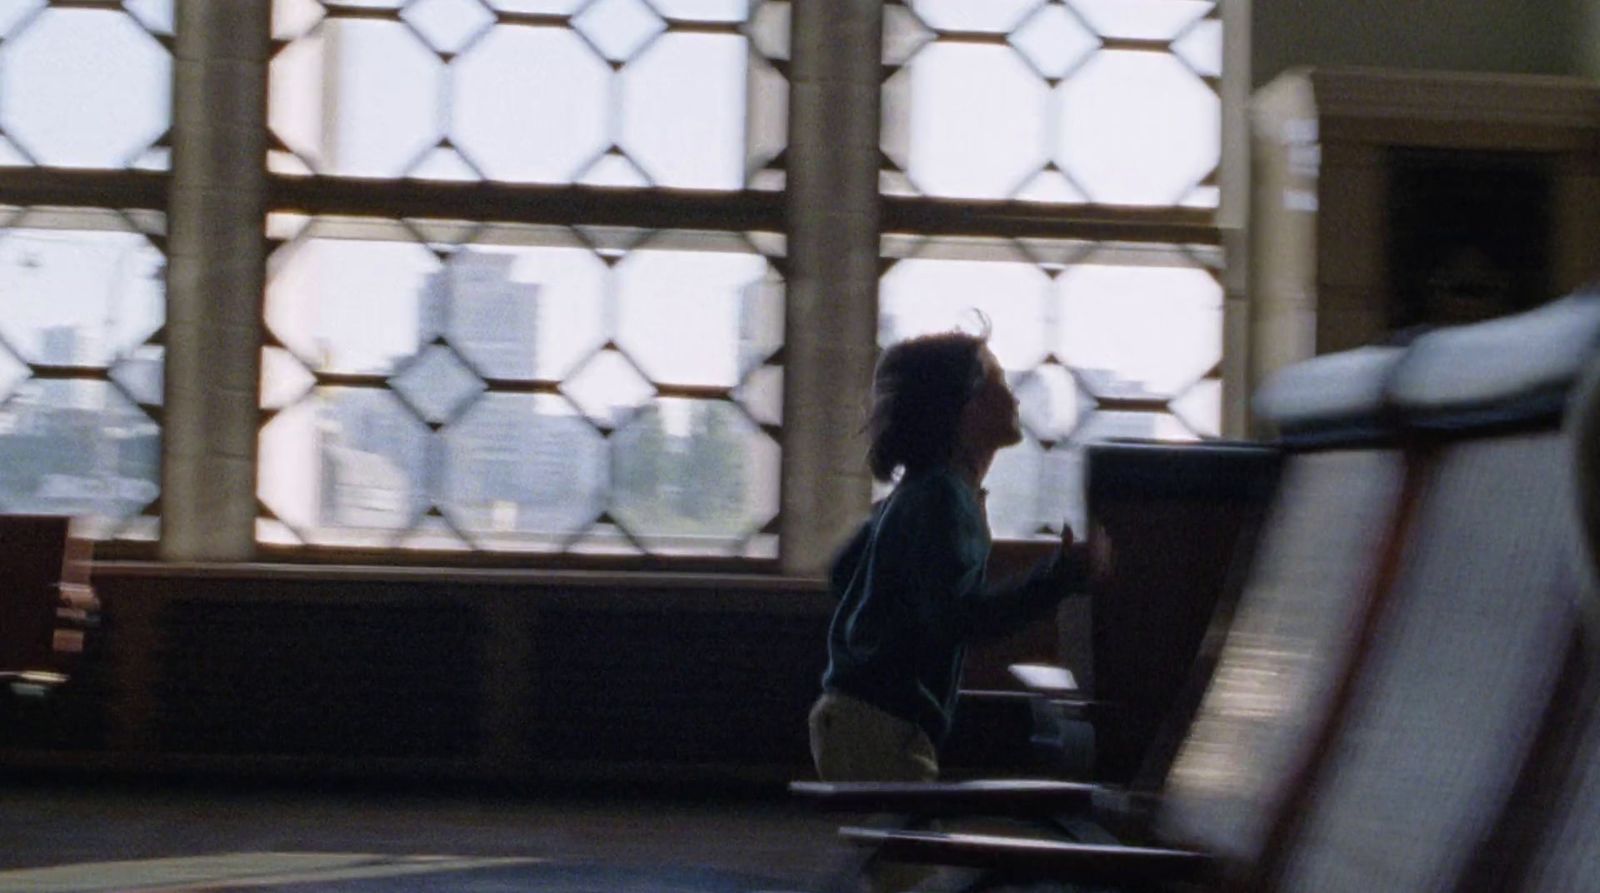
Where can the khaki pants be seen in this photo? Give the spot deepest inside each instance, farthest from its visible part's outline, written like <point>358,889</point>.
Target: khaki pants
<point>852,740</point>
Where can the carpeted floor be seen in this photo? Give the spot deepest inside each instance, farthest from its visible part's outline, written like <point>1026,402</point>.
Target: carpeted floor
<point>88,836</point>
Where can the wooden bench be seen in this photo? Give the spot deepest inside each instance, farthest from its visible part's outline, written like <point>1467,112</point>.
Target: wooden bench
<point>1384,739</point>
<point>46,602</point>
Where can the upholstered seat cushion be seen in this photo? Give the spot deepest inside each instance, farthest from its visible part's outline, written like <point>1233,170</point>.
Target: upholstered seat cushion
<point>1510,370</point>
<point>1334,397</point>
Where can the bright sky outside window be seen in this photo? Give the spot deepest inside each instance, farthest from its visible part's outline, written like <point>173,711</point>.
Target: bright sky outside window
<point>83,89</point>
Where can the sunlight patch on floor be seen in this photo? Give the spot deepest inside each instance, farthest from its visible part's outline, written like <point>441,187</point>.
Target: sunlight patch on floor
<point>234,871</point>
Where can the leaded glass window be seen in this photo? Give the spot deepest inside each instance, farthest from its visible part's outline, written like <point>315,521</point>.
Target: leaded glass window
<point>85,114</point>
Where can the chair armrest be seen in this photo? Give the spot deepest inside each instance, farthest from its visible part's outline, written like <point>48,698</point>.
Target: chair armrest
<point>1038,859</point>
<point>31,683</point>
<point>1046,679</point>
<point>995,797</point>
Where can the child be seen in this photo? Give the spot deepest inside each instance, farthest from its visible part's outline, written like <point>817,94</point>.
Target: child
<point>910,583</point>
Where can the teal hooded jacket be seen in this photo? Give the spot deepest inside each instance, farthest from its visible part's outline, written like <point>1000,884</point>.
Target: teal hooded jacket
<point>912,592</point>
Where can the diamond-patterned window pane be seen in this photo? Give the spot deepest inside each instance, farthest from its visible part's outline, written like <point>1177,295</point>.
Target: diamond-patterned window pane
<point>140,375</point>
<point>1053,41</point>
<point>84,292</point>
<point>608,388</point>
<point>1200,408</point>
<point>485,386</point>
<point>686,94</point>
<point>1089,101</point>
<point>1201,47</point>
<point>1072,324</point>
<point>1141,19</point>
<point>83,87</point>
<point>437,384</point>
<point>15,12</point>
<point>448,25</point>
<point>618,27</point>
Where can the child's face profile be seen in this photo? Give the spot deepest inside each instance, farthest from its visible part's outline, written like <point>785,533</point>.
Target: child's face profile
<point>990,419</point>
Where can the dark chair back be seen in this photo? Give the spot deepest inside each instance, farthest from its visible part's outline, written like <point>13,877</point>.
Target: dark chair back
<point>1294,633</point>
<point>1182,518</point>
<point>44,578</point>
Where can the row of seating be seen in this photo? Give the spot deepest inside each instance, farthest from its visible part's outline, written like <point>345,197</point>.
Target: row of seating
<point>47,605</point>
<point>1403,698</point>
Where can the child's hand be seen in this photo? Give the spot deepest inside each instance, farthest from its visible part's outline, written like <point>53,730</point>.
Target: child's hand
<point>1091,559</point>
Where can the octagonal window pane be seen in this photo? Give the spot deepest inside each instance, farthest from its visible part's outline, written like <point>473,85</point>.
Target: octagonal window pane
<point>1022,502</point>
<point>1141,19</point>
<point>524,471</point>
<point>14,12</point>
<point>538,7</point>
<point>691,317</point>
<point>385,93</point>
<point>1110,336</point>
<point>522,312</point>
<point>683,110</point>
<point>920,296</point>
<point>348,466</point>
<point>1049,401</point>
<point>694,476</point>
<point>999,16</point>
<point>77,448</point>
<point>78,296</point>
<point>530,104</point>
<point>705,10</point>
<point>976,125</point>
<point>1137,128</point>
<point>347,302</point>
<point>84,88</point>
<point>1133,331</point>
<point>296,104</point>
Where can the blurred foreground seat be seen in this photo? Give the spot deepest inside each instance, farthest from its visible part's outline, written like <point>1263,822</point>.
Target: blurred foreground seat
<point>1408,662</point>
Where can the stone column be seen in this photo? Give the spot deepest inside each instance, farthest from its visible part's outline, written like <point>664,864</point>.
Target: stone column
<point>833,274</point>
<point>216,246</point>
<point>1233,218</point>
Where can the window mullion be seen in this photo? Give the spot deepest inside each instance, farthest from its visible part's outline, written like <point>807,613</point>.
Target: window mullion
<point>833,287</point>
<point>217,219</point>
